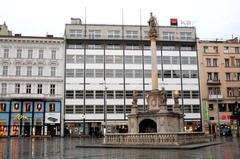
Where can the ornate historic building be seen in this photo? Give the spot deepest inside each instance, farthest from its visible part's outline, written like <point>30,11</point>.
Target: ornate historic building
<point>220,80</point>
<point>32,85</point>
<point>105,63</point>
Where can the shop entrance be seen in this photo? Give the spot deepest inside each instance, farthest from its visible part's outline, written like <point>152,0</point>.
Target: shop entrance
<point>27,129</point>
<point>38,130</point>
<point>53,130</point>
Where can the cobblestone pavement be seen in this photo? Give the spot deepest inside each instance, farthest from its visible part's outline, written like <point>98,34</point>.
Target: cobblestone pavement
<point>65,148</point>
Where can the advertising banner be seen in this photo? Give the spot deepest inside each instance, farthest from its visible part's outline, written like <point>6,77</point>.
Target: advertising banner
<point>51,118</point>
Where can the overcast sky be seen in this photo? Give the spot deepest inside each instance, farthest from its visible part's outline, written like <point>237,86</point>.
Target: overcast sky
<point>212,18</point>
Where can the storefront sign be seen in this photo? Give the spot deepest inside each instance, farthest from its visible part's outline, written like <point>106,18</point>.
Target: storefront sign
<point>19,117</point>
<point>51,118</point>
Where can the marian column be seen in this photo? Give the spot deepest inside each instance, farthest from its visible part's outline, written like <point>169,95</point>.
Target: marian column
<point>153,37</point>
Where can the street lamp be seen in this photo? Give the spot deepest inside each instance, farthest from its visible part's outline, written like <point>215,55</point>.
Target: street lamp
<point>105,109</point>
<point>218,115</point>
<point>83,117</point>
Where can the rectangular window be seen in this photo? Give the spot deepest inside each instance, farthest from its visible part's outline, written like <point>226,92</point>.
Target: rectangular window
<point>186,94</point>
<point>19,53</point>
<point>169,94</point>
<point>89,109</point>
<point>175,60</point>
<point>99,95</point>
<point>78,109</point>
<point>52,89</point>
<point>70,59</point>
<point>6,53</point>
<point>53,71</point>
<point>187,108</point>
<point>215,49</point>
<point>167,74</point>
<point>168,36</point>
<point>147,59</point>
<point>119,94</point>
<point>30,52</point>
<point>109,59</point>
<point>237,50</point>
<point>79,59</point>
<point>28,88</point>
<point>137,59</point>
<point>194,73</point>
<point>208,61</point>
<point>89,94</point>
<point>109,73</point>
<point>118,73</point>
<point>147,73</point>
<point>75,33</point>
<point>18,70</point>
<point>69,94</point>
<point>159,59</point>
<point>226,61</point>
<point>166,60</point>
<point>214,63</point>
<point>110,94</point>
<point>99,73</point>
<point>53,54</point>
<point>193,60</point>
<point>238,76</point>
<point>138,73</point>
<point>226,49</point>
<point>113,34</point>
<point>5,71</point>
<point>196,109</point>
<point>89,59</point>
<point>79,73</point>
<point>228,76</point>
<point>237,62</point>
<point>185,73</point>
<point>195,94</point>
<point>17,88</point>
<point>131,34</point>
<point>222,107</point>
<point>129,73</point>
<point>70,72</point>
<point>69,109</point>
<point>94,34</point>
<point>176,73</point>
<point>185,60</point>
<point>129,94</point>
<point>99,59</point>
<point>89,73</point>
<point>40,71</point>
<point>110,109</point>
<point>98,109</point>
<point>39,89</point>
<point>185,35</point>
<point>129,59</point>
<point>79,94</point>
<point>40,55</point>
<point>4,88</point>
<point>119,109</point>
<point>29,70</point>
<point>230,92</point>
<point>205,49</point>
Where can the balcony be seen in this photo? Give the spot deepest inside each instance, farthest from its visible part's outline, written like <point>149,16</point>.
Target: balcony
<point>215,97</point>
<point>213,82</point>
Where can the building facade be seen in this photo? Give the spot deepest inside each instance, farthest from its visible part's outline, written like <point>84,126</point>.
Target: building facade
<point>220,81</point>
<point>105,63</point>
<point>32,85</point>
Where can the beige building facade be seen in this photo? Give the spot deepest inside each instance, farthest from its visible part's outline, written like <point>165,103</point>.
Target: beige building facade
<point>220,81</point>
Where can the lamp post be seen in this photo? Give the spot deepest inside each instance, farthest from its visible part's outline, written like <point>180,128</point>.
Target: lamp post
<point>218,116</point>
<point>83,117</point>
<point>105,109</point>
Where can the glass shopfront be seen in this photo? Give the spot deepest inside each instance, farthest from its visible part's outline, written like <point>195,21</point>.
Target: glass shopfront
<point>4,115</point>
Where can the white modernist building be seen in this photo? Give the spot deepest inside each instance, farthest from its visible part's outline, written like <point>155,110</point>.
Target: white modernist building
<point>32,85</point>
<point>105,63</point>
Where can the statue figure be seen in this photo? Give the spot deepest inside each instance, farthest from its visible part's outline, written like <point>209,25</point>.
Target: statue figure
<point>176,97</point>
<point>152,24</point>
<point>134,102</point>
<point>163,96</point>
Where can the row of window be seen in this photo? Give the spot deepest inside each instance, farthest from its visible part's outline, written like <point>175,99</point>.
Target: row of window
<point>118,73</point>
<point>224,107</point>
<point>116,34</point>
<point>19,54</point>
<point>130,47</point>
<point>28,87</point>
<point>231,91</point>
<point>227,62</point>
<point>29,71</point>
<point>27,107</point>
<point>118,59</point>
<point>226,49</point>
<point>118,94</point>
<point>230,76</point>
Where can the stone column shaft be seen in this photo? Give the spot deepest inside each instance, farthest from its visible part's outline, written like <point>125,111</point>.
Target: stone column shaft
<point>154,64</point>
